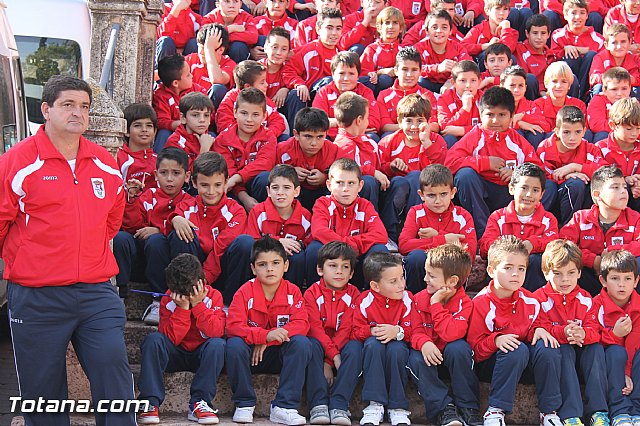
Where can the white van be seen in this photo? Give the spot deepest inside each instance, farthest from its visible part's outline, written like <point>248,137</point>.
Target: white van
<point>53,37</point>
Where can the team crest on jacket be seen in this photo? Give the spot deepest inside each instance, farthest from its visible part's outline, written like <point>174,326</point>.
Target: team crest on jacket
<point>415,7</point>
<point>282,320</point>
<point>98,187</point>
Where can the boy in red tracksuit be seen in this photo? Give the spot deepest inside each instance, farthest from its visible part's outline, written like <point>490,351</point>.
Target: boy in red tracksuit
<point>608,225</point>
<point>536,230</point>
<point>403,155</point>
<point>249,148</point>
<point>310,153</point>
<point>506,336</point>
<point>276,48</point>
<point>284,218</point>
<point>567,313</point>
<point>189,337</point>
<point>275,16</point>
<point>484,159</point>
<point>418,31</point>
<point>266,331</point>
<point>209,226</point>
<point>496,25</point>
<point>622,147</point>
<point>306,29</point>
<point>570,161</point>
<point>433,223</point>
<point>616,85</point>
<point>533,54</point>
<point>192,135</point>
<point>382,321</point>
<point>618,313</point>
<point>242,32</point>
<point>176,33</point>
<point>497,58</point>
<point>177,81</point>
<point>615,54</point>
<point>359,29</point>
<point>344,216</point>
<point>439,324</point>
<point>620,13</point>
<point>330,305</point>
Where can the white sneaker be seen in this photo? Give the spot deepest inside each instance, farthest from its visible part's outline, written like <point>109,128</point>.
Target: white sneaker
<point>392,246</point>
<point>243,415</point>
<point>286,416</point>
<point>494,417</point>
<point>399,417</point>
<point>550,419</point>
<point>373,414</point>
<point>151,315</point>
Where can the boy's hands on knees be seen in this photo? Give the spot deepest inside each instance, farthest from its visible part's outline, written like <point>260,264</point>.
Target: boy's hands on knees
<point>431,354</point>
<point>528,245</point>
<point>399,165</point>
<point>303,92</point>
<point>257,53</point>
<point>529,127</point>
<point>302,173</point>
<point>290,246</point>
<point>575,333</point>
<point>507,342</point>
<point>467,19</point>
<point>561,172</point>
<point>247,200</point>
<point>628,385</point>
<point>235,28</point>
<point>198,294</point>
<point>496,163</point>
<point>385,332</point>
<point>623,326</point>
<point>184,228</point>
<point>505,174</point>
<point>280,97</point>
<point>181,300</point>
<point>427,233</point>
<point>234,180</point>
<point>328,374</point>
<point>546,337</point>
<point>146,232</point>
<point>578,175</point>
<point>278,335</point>
<point>571,52</point>
<point>596,263</point>
<point>206,142</point>
<point>256,354</point>
<point>337,361</point>
<point>383,179</point>
<point>446,65</point>
<point>373,77</point>
<point>454,238</point>
<point>316,178</point>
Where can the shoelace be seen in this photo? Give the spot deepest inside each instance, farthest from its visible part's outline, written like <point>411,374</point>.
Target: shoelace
<point>599,419</point>
<point>204,407</point>
<point>573,421</point>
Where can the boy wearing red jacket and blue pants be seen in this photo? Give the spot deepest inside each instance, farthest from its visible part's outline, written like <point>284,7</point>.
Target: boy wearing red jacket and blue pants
<point>382,321</point>
<point>266,330</point>
<point>440,320</point>
<point>189,337</point>
<point>330,305</point>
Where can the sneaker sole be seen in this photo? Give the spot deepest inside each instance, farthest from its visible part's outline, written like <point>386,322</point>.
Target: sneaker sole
<point>149,421</point>
<point>321,421</point>
<point>282,422</point>
<point>243,421</point>
<point>454,423</point>
<point>340,422</point>
<point>207,421</point>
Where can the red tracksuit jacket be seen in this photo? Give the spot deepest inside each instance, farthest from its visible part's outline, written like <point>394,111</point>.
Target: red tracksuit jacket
<point>418,33</point>
<point>531,114</point>
<point>439,323</point>
<point>416,157</point>
<point>139,165</point>
<point>265,23</point>
<point>450,112</point>
<point>546,107</point>
<point>275,81</point>
<point>201,75</point>
<point>166,104</point>
<point>225,117</point>
<point>305,32</point>
<point>532,62</point>
<point>379,55</point>
<point>248,36</point>
<point>354,32</point>
<point>189,328</point>
<point>558,308</point>
<point>565,37</point>
<point>412,10</point>
<point>374,309</point>
<point>216,227</point>
<point>188,142</point>
<point>431,59</point>
<point>493,317</point>
<point>481,34</point>
<point>618,14</point>
<point>252,316</point>
<point>357,225</point>
<point>49,240</point>
<point>586,154</point>
<point>455,220</point>
<point>180,29</point>
<point>290,152</point>
<point>604,61</point>
<point>584,229</point>
<point>389,99</point>
<point>474,149</point>
<point>598,113</point>
<point>607,313</point>
<point>308,64</point>
<point>539,231</point>
<point>627,161</point>
<point>264,219</point>
<point>330,316</point>
<point>362,149</point>
<point>153,208</point>
<point>328,95</point>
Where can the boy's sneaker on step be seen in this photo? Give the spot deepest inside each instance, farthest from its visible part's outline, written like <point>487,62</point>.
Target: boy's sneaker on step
<point>149,417</point>
<point>494,417</point>
<point>635,420</point>
<point>243,415</point>
<point>286,416</point>
<point>151,315</point>
<point>319,415</point>
<point>399,417</point>
<point>600,418</point>
<point>573,421</point>
<point>550,419</point>
<point>470,416</point>
<point>622,420</point>
<point>373,414</point>
<point>340,417</point>
<point>449,416</point>
<point>203,414</point>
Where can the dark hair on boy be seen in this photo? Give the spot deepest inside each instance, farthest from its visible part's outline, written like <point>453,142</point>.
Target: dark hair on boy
<point>497,96</point>
<point>348,107</point>
<point>528,170</point>
<point>279,32</point>
<point>580,4</point>
<point>414,105</point>
<point>408,54</point>
<point>569,114</point>
<point>559,253</point>
<point>209,29</point>
<point>439,14</point>
<point>170,68</point>
<point>61,83</point>
<point>464,66</point>
<point>503,246</point>
<point>252,96</point>
<point>497,49</point>
<point>348,59</point>
<point>513,71</point>
<point>537,20</point>
<point>618,261</point>
<point>602,175</point>
<point>139,111</point>
<point>247,72</point>
<point>616,73</point>
<point>184,272</point>
<point>328,13</point>
<point>267,244</point>
<point>345,165</point>
<point>435,175</point>
<point>377,262</point>
<point>195,101</point>
<point>175,154</point>
<point>286,171</point>
<point>490,4</point>
<point>453,259</point>
<point>337,250</point>
<point>208,164</point>
<point>310,119</point>
<point>615,29</point>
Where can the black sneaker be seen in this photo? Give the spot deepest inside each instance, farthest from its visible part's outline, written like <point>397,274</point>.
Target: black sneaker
<point>449,416</point>
<point>471,417</point>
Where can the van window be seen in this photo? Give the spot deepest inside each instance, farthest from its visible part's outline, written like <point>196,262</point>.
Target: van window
<point>7,106</point>
<point>42,57</point>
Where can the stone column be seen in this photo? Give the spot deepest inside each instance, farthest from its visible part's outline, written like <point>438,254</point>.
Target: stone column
<point>107,125</point>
